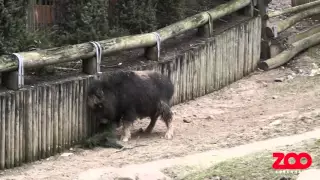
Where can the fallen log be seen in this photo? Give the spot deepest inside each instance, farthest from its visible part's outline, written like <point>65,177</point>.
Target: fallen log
<point>293,9</point>
<point>296,37</point>
<point>285,24</point>
<point>85,51</point>
<point>293,50</point>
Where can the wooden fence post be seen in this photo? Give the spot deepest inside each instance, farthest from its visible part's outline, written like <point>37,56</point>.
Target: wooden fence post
<point>205,30</point>
<point>265,43</point>
<point>89,66</point>
<point>10,80</point>
<point>151,53</point>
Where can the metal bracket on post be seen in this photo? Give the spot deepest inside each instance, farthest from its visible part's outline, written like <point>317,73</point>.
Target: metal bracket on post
<point>98,56</point>
<point>15,79</point>
<point>92,66</point>
<point>20,70</point>
<point>207,29</point>
<point>153,53</point>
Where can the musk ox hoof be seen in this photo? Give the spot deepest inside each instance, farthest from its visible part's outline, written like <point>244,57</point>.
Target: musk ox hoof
<point>168,136</point>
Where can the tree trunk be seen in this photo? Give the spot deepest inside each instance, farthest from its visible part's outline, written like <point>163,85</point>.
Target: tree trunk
<point>297,37</point>
<point>286,55</point>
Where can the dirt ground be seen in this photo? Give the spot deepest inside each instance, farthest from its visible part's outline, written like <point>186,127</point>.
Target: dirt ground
<point>264,105</point>
<point>254,108</point>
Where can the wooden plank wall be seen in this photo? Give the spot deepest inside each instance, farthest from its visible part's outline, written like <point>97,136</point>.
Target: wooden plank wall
<point>41,121</point>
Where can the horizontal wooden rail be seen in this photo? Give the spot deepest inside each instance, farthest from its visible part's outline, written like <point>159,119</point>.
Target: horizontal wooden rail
<point>86,50</point>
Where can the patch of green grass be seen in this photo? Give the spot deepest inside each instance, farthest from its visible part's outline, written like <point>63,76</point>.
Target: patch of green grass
<point>256,166</point>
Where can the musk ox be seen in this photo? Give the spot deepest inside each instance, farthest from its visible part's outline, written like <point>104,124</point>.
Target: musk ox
<point>128,95</point>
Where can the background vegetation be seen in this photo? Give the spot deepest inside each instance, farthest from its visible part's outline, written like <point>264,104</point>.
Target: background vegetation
<point>12,25</point>
<point>78,21</point>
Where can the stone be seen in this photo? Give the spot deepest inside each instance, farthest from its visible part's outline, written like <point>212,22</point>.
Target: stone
<point>289,77</point>
<point>279,80</point>
<point>275,123</point>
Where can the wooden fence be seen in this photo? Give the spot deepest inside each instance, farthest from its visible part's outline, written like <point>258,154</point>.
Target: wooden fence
<point>40,14</point>
<point>40,121</point>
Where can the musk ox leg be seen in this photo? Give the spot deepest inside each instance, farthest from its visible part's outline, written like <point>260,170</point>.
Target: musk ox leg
<point>127,121</point>
<point>169,133</point>
<point>126,134</point>
<point>151,124</point>
<point>166,115</point>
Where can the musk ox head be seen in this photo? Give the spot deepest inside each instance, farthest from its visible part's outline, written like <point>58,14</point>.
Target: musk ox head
<point>101,102</point>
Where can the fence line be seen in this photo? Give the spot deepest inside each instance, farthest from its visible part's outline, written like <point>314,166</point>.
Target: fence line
<point>41,121</point>
<point>86,51</point>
